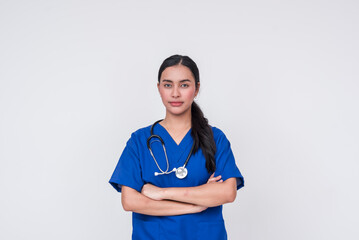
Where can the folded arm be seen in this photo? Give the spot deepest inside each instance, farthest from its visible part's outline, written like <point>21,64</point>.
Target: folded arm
<point>134,201</point>
<point>212,194</point>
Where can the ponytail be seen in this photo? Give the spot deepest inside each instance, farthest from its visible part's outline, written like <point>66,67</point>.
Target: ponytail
<point>203,137</point>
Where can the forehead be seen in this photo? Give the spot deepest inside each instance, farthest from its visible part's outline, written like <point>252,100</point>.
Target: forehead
<point>177,73</point>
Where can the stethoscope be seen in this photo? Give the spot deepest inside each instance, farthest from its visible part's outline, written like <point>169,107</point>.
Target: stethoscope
<point>181,172</point>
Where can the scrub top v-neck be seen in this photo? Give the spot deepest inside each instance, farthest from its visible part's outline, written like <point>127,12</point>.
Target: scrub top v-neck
<point>136,167</point>
<point>177,151</point>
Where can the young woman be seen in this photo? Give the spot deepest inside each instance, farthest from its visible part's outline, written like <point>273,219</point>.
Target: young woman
<point>176,174</point>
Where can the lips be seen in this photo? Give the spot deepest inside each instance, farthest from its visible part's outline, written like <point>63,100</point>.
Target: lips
<point>176,104</point>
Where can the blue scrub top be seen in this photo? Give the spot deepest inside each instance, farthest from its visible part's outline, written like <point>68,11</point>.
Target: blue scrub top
<point>136,167</point>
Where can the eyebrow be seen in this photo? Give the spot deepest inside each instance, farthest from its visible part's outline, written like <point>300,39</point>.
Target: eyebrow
<point>184,80</point>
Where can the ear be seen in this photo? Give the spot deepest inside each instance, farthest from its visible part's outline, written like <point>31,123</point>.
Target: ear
<point>197,90</point>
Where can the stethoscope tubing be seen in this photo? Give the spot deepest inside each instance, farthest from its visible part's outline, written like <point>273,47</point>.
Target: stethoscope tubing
<point>164,149</point>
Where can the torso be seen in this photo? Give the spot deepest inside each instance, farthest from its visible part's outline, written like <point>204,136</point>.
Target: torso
<point>208,224</point>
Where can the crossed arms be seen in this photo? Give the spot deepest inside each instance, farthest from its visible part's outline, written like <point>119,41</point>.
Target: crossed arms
<point>157,201</point>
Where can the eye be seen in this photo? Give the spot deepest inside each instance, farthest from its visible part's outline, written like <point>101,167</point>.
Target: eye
<point>167,85</point>
<point>184,85</point>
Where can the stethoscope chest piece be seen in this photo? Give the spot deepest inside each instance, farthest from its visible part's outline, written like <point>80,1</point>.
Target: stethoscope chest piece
<point>181,172</point>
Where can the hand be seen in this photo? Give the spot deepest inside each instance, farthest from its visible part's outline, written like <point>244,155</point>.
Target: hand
<point>152,191</point>
<point>213,179</point>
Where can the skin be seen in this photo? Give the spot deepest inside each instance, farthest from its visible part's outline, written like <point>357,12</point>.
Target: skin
<point>177,85</point>
<point>138,202</point>
<point>209,195</point>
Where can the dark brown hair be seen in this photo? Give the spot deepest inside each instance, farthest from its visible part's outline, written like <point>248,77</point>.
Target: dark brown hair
<point>201,131</point>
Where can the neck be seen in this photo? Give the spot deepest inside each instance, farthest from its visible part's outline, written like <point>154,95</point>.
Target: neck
<point>178,122</point>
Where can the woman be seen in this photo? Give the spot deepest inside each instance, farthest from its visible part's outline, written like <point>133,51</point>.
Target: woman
<point>176,182</point>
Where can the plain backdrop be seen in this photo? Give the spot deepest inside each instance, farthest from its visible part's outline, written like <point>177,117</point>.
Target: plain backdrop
<point>280,78</point>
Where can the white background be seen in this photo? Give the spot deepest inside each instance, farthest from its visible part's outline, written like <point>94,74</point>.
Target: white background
<point>280,78</point>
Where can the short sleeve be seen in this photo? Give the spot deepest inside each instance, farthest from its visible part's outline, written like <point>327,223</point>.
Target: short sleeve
<point>225,162</point>
<point>128,170</point>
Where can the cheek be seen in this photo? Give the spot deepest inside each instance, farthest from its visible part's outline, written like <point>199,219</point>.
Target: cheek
<point>190,94</point>
<point>163,94</point>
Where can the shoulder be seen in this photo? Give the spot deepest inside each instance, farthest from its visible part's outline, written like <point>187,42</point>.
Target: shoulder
<point>217,133</point>
<point>141,131</point>
<point>137,137</point>
<point>219,136</point>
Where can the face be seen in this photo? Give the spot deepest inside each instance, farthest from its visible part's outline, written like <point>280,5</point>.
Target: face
<point>177,89</point>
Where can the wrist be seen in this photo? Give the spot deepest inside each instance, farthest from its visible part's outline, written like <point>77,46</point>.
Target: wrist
<point>165,193</point>
<point>198,208</point>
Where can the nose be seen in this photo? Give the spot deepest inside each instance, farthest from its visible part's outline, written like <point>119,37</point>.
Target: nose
<point>175,92</point>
